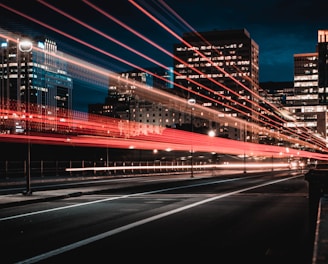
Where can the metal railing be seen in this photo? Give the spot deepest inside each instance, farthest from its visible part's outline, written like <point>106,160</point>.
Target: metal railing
<point>18,169</point>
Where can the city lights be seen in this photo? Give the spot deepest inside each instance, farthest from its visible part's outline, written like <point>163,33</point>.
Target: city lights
<point>248,115</point>
<point>163,129</point>
<point>108,132</point>
<point>304,138</point>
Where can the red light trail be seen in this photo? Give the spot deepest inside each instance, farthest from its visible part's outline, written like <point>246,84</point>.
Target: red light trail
<point>101,131</point>
<point>104,132</point>
<point>323,144</point>
<point>305,137</point>
<point>189,27</point>
<point>135,66</point>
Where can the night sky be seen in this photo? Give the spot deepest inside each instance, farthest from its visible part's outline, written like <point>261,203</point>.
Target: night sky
<point>280,28</point>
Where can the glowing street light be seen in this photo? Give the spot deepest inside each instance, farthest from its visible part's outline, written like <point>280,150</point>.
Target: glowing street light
<point>211,133</point>
<point>245,139</point>
<point>191,102</point>
<point>25,46</point>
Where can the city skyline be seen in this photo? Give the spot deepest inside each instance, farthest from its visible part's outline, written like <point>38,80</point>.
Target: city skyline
<point>278,37</point>
<point>200,62</point>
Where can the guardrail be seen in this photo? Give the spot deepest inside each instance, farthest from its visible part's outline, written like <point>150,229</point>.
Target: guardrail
<point>17,169</point>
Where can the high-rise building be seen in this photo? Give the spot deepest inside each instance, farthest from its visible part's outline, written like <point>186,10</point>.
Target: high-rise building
<point>308,102</point>
<point>220,70</point>
<point>304,102</point>
<point>274,96</point>
<point>323,64</point>
<point>124,103</point>
<point>305,80</point>
<point>34,79</point>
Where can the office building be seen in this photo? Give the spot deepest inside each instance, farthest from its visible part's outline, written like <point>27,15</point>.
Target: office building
<point>308,102</point>
<point>34,80</point>
<point>273,109</point>
<point>123,103</point>
<point>220,70</point>
<point>323,65</point>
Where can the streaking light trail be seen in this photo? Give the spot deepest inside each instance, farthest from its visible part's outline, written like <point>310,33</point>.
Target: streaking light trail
<point>156,96</point>
<point>300,135</point>
<point>207,166</point>
<point>215,66</point>
<point>97,131</point>
<point>113,56</point>
<point>171,101</point>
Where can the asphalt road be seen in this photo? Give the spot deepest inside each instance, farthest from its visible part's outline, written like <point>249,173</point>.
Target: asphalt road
<point>248,219</point>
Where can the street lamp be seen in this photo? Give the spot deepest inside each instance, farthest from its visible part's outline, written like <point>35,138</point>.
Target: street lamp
<point>245,139</point>
<point>25,46</point>
<point>211,133</point>
<point>191,102</point>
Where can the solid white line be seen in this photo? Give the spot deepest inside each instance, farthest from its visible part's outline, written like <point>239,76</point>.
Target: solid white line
<point>138,223</point>
<point>115,198</point>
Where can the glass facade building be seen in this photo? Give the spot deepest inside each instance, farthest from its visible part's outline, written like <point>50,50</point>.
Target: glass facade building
<point>308,102</point>
<point>34,79</point>
<point>220,69</point>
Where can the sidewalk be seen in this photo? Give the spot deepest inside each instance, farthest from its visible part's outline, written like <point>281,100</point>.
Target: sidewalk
<point>16,199</point>
<point>21,199</point>
<point>9,200</point>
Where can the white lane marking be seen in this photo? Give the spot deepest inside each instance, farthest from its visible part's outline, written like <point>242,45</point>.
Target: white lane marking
<point>115,198</point>
<point>138,223</point>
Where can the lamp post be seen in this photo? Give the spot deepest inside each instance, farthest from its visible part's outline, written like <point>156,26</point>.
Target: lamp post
<point>245,135</point>
<point>191,102</point>
<point>3,101</point>
<point>25,46</point>
<point>212,134</point>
